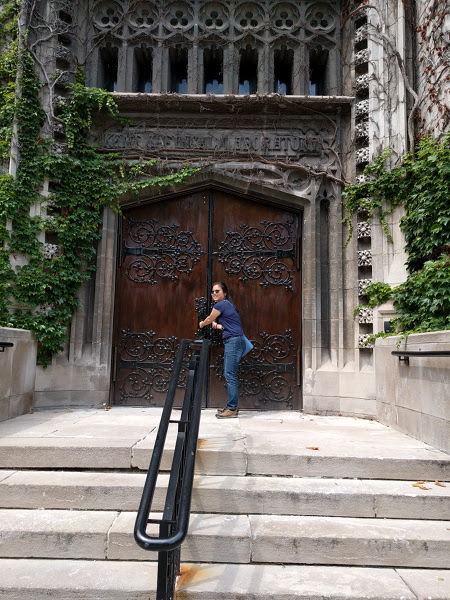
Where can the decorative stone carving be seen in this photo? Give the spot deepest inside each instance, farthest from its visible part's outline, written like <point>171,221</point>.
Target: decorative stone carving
<point>361,15</point>
<point>62,80</point>
<point>361,34</point>
<point>364,258</point>
<point>144,16</point>
<point>108,15</point>
<point>59,149</point>
<point>66,6</point>
<point>362,156</point>
<point>179,16</point>
<point>45,308</point>
<point>362,284</point>
<point>49,203</point>
<point>285,16</point>
<point>362,130</point>
<point>362,57</point>
<point>362,108</point>
<point>249,16</point>
<point>364,230</point>
<point>320,17</point>
<point>50,251</point>
<point>283,144</point>
<point>362,83</point>
<point>362,341</point>
<point>58,127</point>
<point>365,315</point>
<point>214,17</point>
<point>362,179</point>
<point>59,101</point>
<point>63,54</point>
<point>362,212</point>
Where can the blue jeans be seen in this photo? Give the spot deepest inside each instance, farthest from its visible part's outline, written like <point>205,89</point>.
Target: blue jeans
<point>234,349</point>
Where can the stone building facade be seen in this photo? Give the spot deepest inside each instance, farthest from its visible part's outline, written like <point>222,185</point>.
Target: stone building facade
<point>280,103</point>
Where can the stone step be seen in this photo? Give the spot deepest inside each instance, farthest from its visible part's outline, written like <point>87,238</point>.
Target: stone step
<point>227,494</point>
<point>115,580</point>
<point>233,457</point>
<point>271,443</point>
<point>242,539</point>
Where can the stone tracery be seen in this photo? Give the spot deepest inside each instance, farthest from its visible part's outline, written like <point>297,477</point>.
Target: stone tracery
<point>233,25</point>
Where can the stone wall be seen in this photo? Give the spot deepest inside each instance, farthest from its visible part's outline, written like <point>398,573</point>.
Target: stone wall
<point>18,372</point>
<point>415,398</point>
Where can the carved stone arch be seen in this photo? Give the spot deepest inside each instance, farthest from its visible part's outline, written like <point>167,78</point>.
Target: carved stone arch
<point>104,63</point>
<point>285,17</point>
<point>144,18</point>
<point>108,16</point>
<point>249,16</point>
<point>286,54</point>
<point>211,39</point>
<point>179,16</point>
<point>321,17</point>
<point>178,39</point>
<point>286,39</point>
<point>225,177</point>
<point>214,17</point>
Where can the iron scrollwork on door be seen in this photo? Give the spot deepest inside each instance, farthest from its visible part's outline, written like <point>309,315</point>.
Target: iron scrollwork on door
<point>258,253</point>
<point>149,360</point>
<point>163,251</point>
<point>263,371</point>
<point>201,308</point>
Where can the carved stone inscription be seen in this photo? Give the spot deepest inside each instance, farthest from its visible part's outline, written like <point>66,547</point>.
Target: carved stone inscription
<point>282,144</point>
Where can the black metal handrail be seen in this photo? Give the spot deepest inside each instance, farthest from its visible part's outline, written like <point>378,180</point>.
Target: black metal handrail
<point>403,355</point>
<point>4,345</point>
<point>173,526</point>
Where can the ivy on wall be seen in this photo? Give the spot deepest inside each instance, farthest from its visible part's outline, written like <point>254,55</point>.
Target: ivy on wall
<point>422,186</point>
<point>39,292</point>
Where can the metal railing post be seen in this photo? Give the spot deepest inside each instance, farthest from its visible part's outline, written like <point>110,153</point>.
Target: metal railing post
<point>173,526</point>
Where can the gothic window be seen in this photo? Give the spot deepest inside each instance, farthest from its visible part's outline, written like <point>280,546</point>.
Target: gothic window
<point>143,70</point>
<point>318,58</point>
<point>178,58</point>
<point>109,60</point>
<point>248,71</point>
<point>228,45</point>
<point>283,65</point>
<point>213,70</point>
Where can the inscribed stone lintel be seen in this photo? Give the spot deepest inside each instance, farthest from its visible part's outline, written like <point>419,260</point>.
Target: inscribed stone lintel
<point>283,145</point>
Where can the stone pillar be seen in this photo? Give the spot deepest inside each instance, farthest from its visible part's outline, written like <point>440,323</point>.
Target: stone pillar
<point>18,372</point>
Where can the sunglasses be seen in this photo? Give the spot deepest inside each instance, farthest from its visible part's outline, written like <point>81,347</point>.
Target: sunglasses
<point>216,292</point>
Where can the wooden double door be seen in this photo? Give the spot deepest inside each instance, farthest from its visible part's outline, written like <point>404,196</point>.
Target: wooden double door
<point>170,254</point>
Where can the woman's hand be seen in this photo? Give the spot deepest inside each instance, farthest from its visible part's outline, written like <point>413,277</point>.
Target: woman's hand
<point>212,317</point>
<point>216,325</point>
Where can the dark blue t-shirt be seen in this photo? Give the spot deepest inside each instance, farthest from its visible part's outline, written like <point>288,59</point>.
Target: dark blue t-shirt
<point>229,319</point>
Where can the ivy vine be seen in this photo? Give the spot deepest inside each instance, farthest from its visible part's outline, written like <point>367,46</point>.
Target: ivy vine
<point>39,292</point>
<point>422,186</point>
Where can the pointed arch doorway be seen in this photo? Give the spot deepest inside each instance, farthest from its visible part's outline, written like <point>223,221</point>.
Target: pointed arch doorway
<point>170,253</point>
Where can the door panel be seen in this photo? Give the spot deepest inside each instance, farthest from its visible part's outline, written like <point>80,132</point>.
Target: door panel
<point>163,264</point>
<point>171,253</point>
<point>254,251</point>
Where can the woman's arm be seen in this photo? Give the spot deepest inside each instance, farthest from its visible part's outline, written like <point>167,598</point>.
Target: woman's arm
<point>212,317</point>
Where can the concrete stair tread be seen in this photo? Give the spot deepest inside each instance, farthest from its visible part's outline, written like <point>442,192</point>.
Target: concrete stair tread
<point>228,494</point>
<point>255,443</point>
<point>112,580</point>
<point>230,538</point>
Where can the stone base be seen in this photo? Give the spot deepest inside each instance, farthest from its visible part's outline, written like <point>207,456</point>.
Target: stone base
<point>18,372</point>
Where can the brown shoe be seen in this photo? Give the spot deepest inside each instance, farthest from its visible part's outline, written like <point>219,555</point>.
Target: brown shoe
<point>227,414</point>
<point>222,410</point>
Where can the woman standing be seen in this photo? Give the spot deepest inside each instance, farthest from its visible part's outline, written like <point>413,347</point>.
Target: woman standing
<point>233,341</point>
